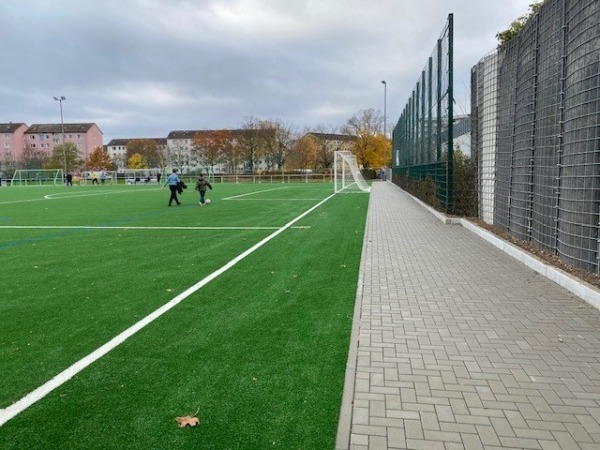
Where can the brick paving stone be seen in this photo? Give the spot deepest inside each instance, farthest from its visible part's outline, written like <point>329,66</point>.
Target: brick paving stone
<point>472,442</point>
<point>455,344</point>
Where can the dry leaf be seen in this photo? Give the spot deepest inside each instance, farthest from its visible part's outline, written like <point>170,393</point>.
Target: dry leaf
<point>187,421</point>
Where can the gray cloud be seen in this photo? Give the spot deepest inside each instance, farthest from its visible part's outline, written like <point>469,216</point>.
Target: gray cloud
<point>144,67</point>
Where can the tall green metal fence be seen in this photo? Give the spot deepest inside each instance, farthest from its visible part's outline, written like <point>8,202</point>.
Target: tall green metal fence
<point>422,154</point>
<point>536,132</point>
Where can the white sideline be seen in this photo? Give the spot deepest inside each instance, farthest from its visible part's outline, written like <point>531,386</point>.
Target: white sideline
<point>124,227</point>
<point>64,376</point>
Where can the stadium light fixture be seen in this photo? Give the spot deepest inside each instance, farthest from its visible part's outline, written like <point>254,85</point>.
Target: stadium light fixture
<point>384,107</point>
<point>62,128</point>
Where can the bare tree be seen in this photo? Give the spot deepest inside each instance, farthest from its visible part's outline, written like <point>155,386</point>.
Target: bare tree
<point>250,144</point>
<point>277,141</point>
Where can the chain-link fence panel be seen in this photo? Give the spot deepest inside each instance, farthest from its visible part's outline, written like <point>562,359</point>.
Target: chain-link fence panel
<point>422,138</point>
<point>546,138</point>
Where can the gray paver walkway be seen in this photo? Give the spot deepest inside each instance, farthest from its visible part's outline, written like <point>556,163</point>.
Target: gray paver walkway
<point>456,345</point>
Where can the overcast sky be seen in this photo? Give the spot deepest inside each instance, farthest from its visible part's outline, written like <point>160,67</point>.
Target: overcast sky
<point>142,68</point>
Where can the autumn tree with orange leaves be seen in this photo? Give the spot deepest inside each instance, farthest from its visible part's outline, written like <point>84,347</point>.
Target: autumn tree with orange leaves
<point>210,147</point>
<point>137,161</point>
<point>99,159</point>
<point>147,148</point>
<point>372,148</point>
<point>304,153</point>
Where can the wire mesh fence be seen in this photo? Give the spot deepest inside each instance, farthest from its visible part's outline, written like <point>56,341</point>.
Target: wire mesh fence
<point>536,121</point>
<point>421,153</point>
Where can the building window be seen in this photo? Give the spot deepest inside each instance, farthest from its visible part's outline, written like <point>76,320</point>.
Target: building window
<point>32,145</point>
<point>32,137</point>
<point>78,136</point>
<point>7,136</point>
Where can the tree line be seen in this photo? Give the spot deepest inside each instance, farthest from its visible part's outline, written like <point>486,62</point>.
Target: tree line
<point>277,145</point>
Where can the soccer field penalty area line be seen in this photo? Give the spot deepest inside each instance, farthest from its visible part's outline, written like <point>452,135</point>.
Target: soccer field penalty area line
<point>34,396</point>
<point>61,195</point>
<point>254,192</point>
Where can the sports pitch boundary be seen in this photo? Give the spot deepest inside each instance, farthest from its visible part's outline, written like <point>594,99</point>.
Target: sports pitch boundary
<point>125,227</point>
<point>37,394</point>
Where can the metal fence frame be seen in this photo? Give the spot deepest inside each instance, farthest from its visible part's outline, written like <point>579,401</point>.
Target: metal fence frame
<point>422,138</point>
<point>536,116</point>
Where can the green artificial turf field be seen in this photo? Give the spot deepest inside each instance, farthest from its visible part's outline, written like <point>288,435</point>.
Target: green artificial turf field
<point>254,344</point>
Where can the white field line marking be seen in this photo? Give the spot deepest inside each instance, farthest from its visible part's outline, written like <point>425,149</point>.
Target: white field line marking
<point>89,194</point>
<point>22,201</point>
<point>64,376</point>
<point>70,195</point>
<point>255,192</point>
<point>271,199</point>
<point>86,227</point>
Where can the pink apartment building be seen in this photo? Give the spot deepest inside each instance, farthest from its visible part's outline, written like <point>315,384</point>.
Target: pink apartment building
<point>12,143</point>
<point>40,139</point>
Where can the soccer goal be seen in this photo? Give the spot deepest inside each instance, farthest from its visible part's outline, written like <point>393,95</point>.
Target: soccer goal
<point>101,177</point>
<point>347,176</point>
<point>25,177</point>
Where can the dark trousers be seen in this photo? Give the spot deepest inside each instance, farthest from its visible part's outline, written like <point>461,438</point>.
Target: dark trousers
<point>173,195</point>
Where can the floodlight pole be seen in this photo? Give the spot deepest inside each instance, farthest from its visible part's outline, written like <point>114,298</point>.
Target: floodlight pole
<point>384,107</point>
<point>62,128</point>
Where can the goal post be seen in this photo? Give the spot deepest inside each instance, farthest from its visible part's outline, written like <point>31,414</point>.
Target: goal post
<point>26,177</point>
<point>347,177</point>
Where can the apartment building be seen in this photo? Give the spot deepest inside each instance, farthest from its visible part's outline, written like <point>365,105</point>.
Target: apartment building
<point>117,149</point>
<point>12,143</point>
<point>40,139</point>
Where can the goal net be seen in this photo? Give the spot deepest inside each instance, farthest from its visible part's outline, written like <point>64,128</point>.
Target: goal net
<point>100,177</point>
<point>347,176</point>
<point>25,177</point>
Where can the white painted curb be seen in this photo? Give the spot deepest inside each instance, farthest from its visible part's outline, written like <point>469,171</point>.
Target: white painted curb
<point>578,287</point>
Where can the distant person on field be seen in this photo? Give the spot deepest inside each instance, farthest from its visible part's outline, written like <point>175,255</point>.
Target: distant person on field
<point>102,177</point>
<point>70,179</point>
<point>173,182</point>
<point>94,178</point>
<point>201,186</point>
<point>158,175</point>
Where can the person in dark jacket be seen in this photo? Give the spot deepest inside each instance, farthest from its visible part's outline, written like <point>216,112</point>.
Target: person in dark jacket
<point>201,186</point>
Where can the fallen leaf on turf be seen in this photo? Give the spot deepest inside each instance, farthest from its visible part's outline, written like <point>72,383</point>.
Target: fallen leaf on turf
<point>187,421</point>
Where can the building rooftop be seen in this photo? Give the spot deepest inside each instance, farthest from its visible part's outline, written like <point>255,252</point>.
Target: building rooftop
<point>57,128</point>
